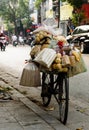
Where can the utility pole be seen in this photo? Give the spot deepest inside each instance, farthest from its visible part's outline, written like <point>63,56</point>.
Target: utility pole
<point>58,12</point>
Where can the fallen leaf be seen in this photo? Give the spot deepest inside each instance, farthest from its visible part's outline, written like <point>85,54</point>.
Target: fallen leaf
<point>81,110</point>
<point>79,129</point>
<point>50,108</point>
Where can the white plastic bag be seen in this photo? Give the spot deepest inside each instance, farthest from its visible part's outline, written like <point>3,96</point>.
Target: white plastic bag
<point>31,75</point>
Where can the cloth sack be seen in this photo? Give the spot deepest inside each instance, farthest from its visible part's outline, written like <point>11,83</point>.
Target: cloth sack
<point>30,75</point>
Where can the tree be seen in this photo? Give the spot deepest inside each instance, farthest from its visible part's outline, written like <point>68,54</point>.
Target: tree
<point>38,3</point>
<point>77,18</point>
<point>14,11</point>
<point>75,3</point>
<point>78,15</point>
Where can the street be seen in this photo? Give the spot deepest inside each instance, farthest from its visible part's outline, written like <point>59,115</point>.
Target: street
<point>79,84</point>
<point>14,57</point>
<point>13,61</point>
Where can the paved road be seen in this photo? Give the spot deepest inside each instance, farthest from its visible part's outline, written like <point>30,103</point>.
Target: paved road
<point>79,84</point>
<point>14,58</point>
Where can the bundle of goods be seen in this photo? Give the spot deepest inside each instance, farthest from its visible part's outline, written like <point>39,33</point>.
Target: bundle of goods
<point>53,52</point>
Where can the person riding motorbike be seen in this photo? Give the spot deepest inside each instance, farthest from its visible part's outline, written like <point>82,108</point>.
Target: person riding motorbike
<point>2,41</point>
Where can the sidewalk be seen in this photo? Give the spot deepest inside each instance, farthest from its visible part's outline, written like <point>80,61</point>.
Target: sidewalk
<point>15,115</point>
<point>20,113</point>
<point>24,114</point>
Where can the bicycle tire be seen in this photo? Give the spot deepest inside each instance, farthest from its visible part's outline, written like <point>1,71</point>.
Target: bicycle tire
<point>64,100</point>
<point>46,95</point>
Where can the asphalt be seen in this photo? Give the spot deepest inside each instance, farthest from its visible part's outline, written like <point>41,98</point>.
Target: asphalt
<point>23,111</point>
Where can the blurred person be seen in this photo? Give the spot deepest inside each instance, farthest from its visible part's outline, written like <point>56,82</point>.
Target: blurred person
<point>30,38</point>
<point>21,40</point>
<point>14,40</point>
<point>2,41</point>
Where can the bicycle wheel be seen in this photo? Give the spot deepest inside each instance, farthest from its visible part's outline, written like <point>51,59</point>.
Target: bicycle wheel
<point>46,94</point>
<point>63,99</point>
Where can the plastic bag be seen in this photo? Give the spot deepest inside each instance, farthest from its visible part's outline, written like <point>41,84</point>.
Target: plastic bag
<point>66,60</point>
<point>30,75</point>
<point>48,29</point>
<point>78,68</point>
<point>72,60</point>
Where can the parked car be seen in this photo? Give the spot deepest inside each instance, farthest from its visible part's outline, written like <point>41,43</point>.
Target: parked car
<point>80,38</point>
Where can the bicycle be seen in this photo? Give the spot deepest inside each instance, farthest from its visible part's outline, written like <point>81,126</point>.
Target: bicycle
<point>56,84</point>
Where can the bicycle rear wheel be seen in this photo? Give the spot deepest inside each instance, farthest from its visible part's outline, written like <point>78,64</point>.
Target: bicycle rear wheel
<point>46,94</point>
<point>63,99</point>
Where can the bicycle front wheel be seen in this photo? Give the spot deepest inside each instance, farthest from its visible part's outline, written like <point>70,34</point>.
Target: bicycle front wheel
<point>46,94</point>
<point>63,99</point>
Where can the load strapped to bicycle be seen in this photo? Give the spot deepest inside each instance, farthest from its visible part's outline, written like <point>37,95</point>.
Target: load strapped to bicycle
<point>52,62</point>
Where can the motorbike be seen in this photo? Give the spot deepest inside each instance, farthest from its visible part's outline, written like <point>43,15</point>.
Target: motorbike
<point>15,43</point>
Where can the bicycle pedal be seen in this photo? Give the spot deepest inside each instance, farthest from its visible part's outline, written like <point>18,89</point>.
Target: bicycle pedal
<point>56,91</point>
<point>45,94</point>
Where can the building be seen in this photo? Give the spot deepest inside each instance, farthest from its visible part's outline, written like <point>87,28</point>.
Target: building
<point>85,9</point>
